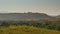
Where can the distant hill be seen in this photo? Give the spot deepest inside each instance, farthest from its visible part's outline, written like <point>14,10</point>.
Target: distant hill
<point>58,16</point>
<point>23,16</point>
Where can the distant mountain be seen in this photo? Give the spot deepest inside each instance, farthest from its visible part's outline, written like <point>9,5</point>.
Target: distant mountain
<point>23,16</point>
<point>58,16</point>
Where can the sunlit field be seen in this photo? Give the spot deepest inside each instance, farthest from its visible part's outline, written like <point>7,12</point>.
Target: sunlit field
<point>26,30</point>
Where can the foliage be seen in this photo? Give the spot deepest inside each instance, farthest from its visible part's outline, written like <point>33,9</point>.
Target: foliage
<point>52,25</point>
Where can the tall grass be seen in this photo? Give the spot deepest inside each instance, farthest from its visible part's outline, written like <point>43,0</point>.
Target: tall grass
<point>26,30</point>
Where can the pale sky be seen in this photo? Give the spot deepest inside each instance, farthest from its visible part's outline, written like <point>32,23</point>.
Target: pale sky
<point>51,7</point>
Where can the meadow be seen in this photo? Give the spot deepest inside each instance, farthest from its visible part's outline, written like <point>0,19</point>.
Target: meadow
<point>26,30</point>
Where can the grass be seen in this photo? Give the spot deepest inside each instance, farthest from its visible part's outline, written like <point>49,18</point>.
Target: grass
<point>26,30</point>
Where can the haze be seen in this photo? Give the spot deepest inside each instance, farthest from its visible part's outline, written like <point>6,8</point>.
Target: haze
<point>50,7</point>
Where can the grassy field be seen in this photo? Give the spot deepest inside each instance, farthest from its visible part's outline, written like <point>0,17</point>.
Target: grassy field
<point>26,30</point>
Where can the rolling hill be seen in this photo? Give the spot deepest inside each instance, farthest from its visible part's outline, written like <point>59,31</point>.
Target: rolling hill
<point>23,16</point>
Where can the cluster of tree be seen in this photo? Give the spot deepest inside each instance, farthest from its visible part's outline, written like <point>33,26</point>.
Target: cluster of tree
<point>53,25</point>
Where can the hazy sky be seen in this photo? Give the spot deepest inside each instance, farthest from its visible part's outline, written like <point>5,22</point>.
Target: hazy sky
<point>51,7</point>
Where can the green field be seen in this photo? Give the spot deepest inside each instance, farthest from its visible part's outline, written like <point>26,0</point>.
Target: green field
<point>26,30</point>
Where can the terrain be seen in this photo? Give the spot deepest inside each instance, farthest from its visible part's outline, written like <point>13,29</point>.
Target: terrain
<point>29,23</point>
<point>25,17</point>
<point>26,30</point>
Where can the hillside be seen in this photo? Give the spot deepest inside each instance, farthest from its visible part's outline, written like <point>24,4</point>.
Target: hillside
<point>26,30</point>
<point>58,16</point>
<point>23,16</point>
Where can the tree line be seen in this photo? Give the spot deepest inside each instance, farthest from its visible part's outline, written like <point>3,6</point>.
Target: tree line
<point>53,25</point>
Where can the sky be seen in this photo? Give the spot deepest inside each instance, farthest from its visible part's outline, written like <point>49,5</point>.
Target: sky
<point>50,7</point>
